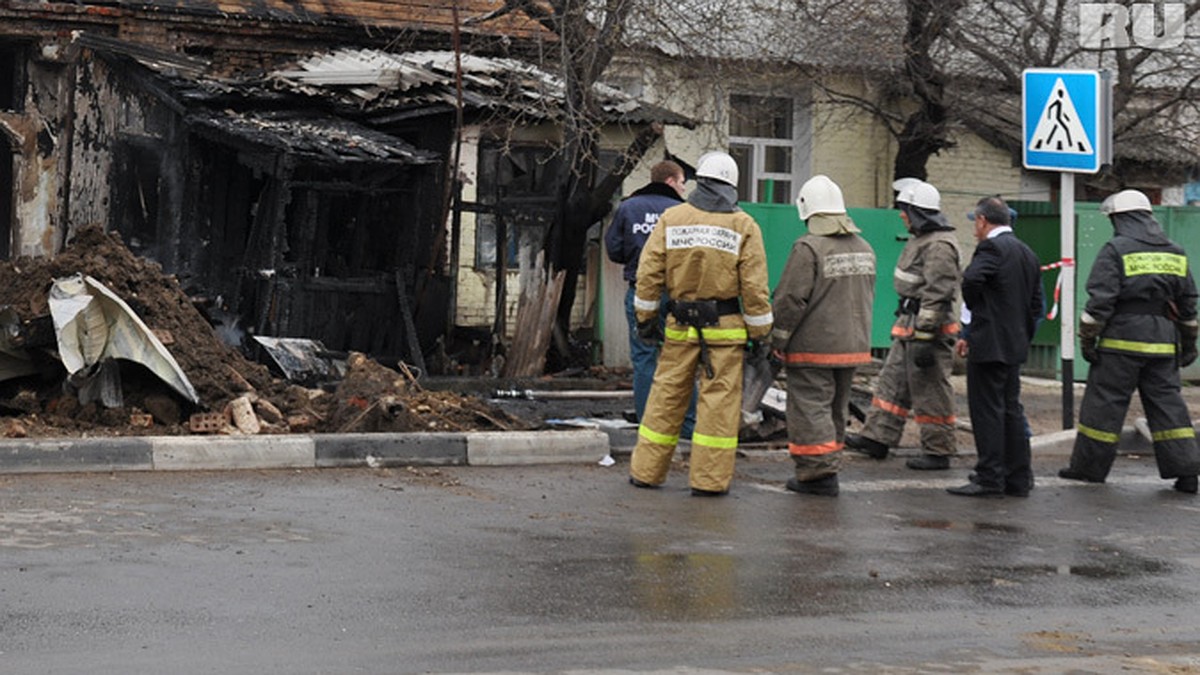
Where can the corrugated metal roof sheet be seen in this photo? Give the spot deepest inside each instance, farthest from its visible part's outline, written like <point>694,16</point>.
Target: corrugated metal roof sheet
<point>273,113</point>
<point>392,80</point>
<point>324,138</point>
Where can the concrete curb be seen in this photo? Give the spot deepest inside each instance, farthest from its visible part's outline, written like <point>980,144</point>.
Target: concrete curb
<point>1062,442</point>
<point>209,453</point>
<point>483,448</point>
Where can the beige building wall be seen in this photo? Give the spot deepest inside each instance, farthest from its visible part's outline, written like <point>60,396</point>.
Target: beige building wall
<point>857,152</point>
<point>974,169</point>
<point>854,150</point>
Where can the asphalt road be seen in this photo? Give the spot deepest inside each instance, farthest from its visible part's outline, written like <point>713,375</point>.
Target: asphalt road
<point>570,569</point>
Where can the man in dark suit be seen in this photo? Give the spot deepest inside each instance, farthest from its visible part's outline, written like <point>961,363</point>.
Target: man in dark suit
<point>1002,288</point>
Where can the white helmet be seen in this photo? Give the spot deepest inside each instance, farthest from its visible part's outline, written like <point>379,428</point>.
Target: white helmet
<point>1125,200</point>
<point>900,183</point>
<point>819,195</point>
<point>921,194</point>
<point>718,165</point>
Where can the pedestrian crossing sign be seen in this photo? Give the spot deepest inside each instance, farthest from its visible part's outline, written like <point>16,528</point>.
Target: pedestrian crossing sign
<point>1065,119</point>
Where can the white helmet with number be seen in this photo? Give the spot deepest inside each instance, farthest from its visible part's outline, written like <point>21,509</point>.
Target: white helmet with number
<point>819,195</point>
<point>719,166</point>
<point>921,194</point>
<point>1126,200</point>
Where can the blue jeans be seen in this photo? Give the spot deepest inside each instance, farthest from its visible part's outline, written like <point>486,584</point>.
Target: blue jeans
<point>645,360</point>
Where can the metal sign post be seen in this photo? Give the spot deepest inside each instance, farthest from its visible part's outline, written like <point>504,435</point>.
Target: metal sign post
<point>1066,200</point>
<point>1066,118</point>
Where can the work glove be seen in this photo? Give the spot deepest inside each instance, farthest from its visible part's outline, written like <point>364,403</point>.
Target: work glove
<point>924,351</point>
<point>650,332</point>
<point>1089,340</point>
<point>755,348</point>
<point>1187,336</point>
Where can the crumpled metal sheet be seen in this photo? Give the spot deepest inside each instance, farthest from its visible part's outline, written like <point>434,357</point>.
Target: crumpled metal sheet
<point>92,324</point>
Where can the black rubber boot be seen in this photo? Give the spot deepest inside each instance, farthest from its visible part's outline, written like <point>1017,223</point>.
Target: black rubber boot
<point>867,446</point>
<point>697,492</point>
<point>825,487</point>
<point>641,483</point>
<point>1071,474</point>
<point>1186,484</point>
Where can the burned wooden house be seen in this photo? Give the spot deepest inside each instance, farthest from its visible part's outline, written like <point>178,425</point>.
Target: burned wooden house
<point>292,162</point>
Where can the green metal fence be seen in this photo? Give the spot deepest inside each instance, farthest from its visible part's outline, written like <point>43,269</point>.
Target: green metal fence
<point>1038,226</point>
<point>882,228</point>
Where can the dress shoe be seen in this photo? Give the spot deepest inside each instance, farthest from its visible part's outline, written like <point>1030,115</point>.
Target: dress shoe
<point>826,487</point>
<point>929,463</point>
<point>867,446</point>
<point>697,492</point>
<point>976,490</point>
<point>1071,474</point>
<point>641,483</point>
<point>1186,484</point>
<point>1010,490</point>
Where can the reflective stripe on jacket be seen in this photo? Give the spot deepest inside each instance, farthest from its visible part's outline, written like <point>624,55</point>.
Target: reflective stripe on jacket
<point>823,302</point>
<point>929,270</point>
<point>1138,290</point>
<point>700,255</point>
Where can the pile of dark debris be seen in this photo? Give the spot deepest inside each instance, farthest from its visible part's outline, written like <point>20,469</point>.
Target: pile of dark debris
<point>236,395</point>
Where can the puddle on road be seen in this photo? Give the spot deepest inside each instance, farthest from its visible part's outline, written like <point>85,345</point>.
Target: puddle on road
<point>966,527</point>
<point>1104,562</point>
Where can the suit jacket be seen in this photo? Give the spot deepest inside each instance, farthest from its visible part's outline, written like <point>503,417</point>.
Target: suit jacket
<point>1003,289</point>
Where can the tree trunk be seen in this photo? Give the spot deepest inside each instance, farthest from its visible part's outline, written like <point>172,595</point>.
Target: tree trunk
<point>925,131</point>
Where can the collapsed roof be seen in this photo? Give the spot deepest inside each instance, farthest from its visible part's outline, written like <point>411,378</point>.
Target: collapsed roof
<point>323,107</point>
<point>378,80</point>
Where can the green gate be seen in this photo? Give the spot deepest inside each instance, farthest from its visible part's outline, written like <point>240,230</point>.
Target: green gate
<point>882,228</point>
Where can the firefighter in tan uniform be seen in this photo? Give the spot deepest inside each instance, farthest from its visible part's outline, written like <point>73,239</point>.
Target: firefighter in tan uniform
<point>916,375</point>
<point>822,328</point>
<point>705,254</point>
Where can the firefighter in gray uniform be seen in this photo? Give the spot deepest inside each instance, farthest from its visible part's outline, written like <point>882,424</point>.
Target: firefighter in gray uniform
<point>915,378</point>
<point>1137,329</point>
<point>822,330</point>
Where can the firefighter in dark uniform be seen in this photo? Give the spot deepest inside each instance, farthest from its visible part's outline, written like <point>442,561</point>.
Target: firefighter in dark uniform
<point>822,328</point>
<point>916,375</point>
<point>1137,329</point>
<point>708,255</point>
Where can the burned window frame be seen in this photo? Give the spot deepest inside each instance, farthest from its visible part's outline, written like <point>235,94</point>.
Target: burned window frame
<point>517,189</point>
<point>13,60</point>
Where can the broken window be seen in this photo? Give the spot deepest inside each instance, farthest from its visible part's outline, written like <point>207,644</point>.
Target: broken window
<point>12,99</point>
<point>766,137</point>
<point>12,78</point>
<point>516,196</point>
<point>136,195</point>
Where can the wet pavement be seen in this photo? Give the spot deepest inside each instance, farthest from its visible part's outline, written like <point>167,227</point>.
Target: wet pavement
<point>570,569</point>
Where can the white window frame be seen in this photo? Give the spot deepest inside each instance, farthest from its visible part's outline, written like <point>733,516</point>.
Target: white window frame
<point>799,144</point>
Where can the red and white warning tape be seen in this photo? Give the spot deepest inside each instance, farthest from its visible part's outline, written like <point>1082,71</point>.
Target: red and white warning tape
<point>1065,262</point>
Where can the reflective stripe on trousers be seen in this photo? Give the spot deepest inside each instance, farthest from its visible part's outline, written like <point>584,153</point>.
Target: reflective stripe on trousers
<point>718,415</point>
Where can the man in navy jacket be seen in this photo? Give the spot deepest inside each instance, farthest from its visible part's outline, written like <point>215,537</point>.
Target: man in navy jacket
<point>1002,288</point>
<point>631,225</point>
